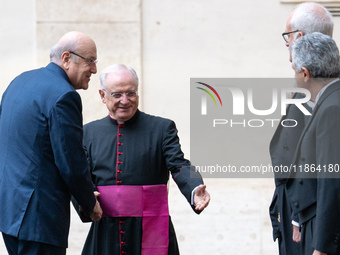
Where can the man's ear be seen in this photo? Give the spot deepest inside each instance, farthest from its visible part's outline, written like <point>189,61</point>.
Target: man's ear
<point>65,60</point>
<point>306,74</point>
<point>300,34</point>
<point>102,96</point>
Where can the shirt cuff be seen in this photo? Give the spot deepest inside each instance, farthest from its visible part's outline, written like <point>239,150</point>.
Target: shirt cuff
<point>192,195</point>
<point>295,223</point>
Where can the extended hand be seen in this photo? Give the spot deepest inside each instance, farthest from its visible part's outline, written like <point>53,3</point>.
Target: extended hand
<point>201,198</point>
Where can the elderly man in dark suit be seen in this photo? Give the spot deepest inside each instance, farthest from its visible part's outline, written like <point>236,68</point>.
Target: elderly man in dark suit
<point>314,183</point>
<point>306,18</point>
<point>42,161</point>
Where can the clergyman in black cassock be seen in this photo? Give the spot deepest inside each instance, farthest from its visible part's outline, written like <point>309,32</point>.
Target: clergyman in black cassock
<point>132,148</point>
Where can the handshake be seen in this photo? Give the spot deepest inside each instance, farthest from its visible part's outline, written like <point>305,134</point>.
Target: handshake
<point>96,214</point>
<point>97,210</point>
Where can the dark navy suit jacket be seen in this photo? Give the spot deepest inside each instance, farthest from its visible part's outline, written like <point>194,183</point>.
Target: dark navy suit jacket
<point>42,161</point>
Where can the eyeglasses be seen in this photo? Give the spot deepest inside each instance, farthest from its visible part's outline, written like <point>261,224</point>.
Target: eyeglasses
<point>129,94</point>
<point>92,62</point>
<point>286,35</point>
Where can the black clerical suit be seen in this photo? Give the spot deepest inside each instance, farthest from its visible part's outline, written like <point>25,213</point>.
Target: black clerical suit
<point>282,148</point>
<point>148,149</point>
<point>316,199</point>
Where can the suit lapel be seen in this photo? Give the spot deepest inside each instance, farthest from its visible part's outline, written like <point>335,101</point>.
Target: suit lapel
<point>326,93</point>
<point>279,127</point>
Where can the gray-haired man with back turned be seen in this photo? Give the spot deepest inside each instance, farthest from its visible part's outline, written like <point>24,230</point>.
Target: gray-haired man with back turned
<point>314,188</point>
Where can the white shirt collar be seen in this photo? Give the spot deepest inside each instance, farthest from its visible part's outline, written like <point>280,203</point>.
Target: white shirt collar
<point>323,90</point>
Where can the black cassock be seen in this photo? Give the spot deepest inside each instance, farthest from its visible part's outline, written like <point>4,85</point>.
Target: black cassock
<point>141,151</point>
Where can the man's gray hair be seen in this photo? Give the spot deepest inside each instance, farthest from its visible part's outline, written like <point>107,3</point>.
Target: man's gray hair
<point>112,69</point>
<point>311,17</point>
<point>317,53</point>
<point>60,48</point>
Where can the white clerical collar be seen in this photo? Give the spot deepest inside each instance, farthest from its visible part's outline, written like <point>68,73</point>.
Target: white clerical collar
<point>323,90</point>
<point>118,121</point>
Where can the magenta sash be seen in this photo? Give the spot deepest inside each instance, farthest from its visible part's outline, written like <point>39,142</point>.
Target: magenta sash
<point>149,202</point>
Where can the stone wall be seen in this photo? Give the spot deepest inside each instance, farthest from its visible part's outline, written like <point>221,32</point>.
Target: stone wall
<point>168,42</point>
